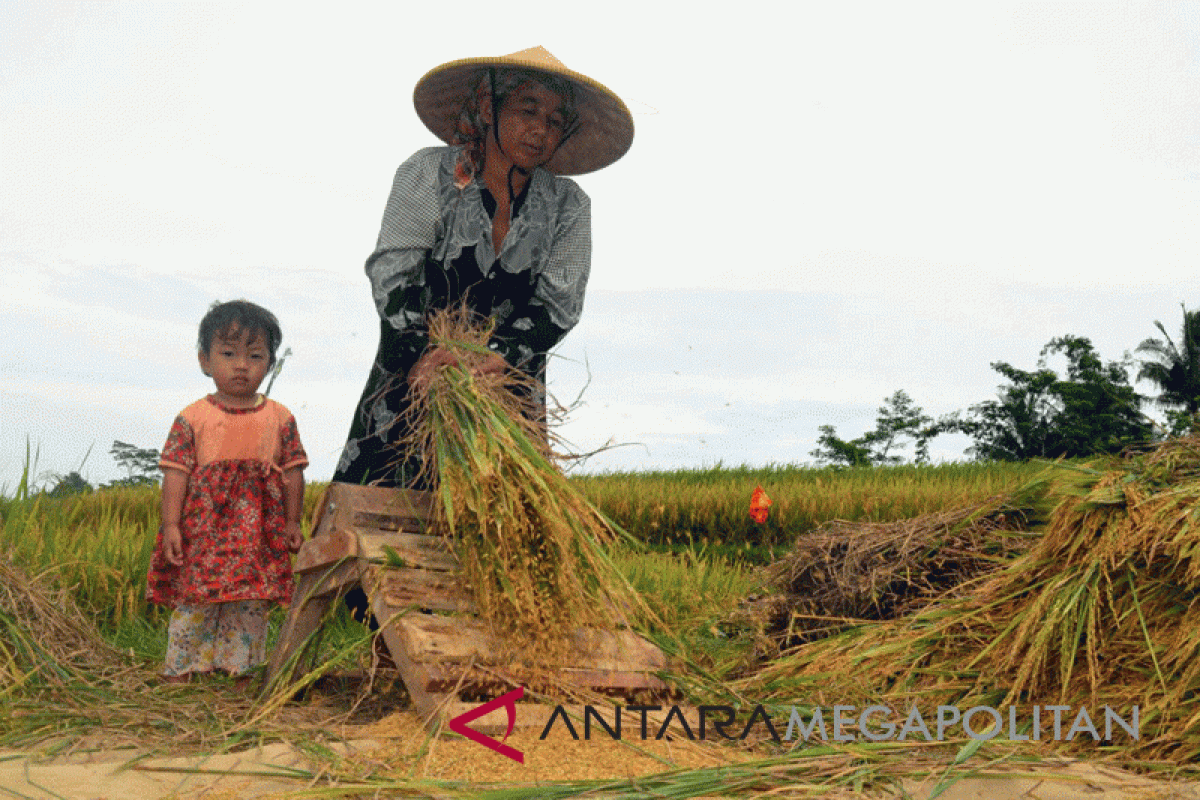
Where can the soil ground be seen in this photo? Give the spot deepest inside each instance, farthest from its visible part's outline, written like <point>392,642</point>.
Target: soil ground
<point>398,746</point>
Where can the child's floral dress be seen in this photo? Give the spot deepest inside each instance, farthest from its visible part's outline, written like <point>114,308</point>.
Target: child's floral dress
<point>234,543</point>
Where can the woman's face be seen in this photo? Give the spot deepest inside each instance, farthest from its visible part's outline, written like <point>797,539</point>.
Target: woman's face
<point>531,125</point>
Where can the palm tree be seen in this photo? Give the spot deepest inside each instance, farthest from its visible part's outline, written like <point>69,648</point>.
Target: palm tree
<point>1175,369</point>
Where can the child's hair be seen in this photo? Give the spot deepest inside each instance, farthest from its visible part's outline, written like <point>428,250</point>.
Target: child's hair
<point>244,316</point>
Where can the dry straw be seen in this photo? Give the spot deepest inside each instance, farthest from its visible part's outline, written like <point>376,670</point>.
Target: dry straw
<point>45,640</point>
<point>1102,610</point>
<point>532,548</point>
<point>845,572</point>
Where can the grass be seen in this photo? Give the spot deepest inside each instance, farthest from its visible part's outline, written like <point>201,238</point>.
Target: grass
<point>710,506</point>
<point>704,557</point>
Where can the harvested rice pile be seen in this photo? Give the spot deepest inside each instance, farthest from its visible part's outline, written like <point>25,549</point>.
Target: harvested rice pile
<point>44,638</point>
<point>845,572</point>
<point>1103,610</point>
<point>532,548</point>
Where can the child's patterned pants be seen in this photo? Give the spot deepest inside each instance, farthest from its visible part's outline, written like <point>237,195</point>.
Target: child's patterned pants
<point>226,636</point>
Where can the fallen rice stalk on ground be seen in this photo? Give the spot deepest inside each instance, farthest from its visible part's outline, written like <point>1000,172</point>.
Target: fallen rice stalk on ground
<point>1101,611</point>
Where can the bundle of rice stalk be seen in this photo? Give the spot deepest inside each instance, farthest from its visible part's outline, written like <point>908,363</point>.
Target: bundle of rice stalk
<point>532,548</point>
<point>1104,610</point>
<point>45,640</point>
<point>845,572</point>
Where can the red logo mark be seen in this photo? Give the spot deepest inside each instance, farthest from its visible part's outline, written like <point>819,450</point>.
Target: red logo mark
<point>509,701</point>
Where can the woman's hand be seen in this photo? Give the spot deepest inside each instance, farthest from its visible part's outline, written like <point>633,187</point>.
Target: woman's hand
<point>478,364</point>
<point>172,545</point>
<point>489,364</point>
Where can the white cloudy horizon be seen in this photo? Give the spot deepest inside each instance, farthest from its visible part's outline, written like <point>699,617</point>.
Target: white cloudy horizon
<point>822,204</point>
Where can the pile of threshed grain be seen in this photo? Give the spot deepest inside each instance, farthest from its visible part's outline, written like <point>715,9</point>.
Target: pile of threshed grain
<point>533,549</point>
<point>1103,610</point>
<point>846,572</point>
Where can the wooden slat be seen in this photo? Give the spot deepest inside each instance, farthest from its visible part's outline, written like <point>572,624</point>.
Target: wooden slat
<point>319,512</point>
<point>618,651</point>
<point>325,549</point>
<point>304,617</point>
<point>462,639</point>
<point>445,677</point>
<point>348,573</point>
<point>420,588</point>
<point>428,704</point>
<point>424,552</point>
<point>377,500</point>
<point>429,637</point>
<point>370,522</point>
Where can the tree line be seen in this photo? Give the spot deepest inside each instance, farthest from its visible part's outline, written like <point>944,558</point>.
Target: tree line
<point>1092,408</point>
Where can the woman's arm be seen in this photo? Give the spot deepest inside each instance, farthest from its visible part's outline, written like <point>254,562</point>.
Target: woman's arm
<point>558,298</point>
<point>407,234</point>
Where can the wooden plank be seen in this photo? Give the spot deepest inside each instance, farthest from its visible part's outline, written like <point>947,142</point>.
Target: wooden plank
<point>420,588</point>
<point>303,619</point>
<point>612,681</point>
<point>432,707</point>
<point>433,638</point>
<point>619,651</point>
<point>379,500</point>
<point>318,516</point>
<point>424,552</point>
<point>347,573</point>
<point>370,521</point>
<point>445,677</point>
<point>325,549</point>
<point>463,639</point>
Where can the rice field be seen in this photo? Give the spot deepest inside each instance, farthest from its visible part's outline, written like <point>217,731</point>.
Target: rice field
<point>702,559</point>
<point>99,544</point>
<point>709,506</point>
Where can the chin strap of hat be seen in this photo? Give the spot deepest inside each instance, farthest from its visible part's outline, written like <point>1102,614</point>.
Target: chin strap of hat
<point>496,135</point>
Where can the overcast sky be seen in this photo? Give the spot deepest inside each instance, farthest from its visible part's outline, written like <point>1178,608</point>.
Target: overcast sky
<point>824,202</point>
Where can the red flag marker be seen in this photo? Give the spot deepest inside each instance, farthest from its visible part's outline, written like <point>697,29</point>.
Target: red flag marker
<point>759,503</point>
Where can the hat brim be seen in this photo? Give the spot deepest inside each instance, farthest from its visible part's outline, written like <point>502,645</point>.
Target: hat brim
<point>605,130</point>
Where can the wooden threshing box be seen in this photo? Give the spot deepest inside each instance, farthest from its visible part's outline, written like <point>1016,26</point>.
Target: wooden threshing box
<point>445,656</point>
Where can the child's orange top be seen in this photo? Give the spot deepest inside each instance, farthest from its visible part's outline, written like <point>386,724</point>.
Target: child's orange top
<point>221,434</point>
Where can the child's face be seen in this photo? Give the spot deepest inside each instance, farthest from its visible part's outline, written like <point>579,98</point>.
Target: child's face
<point>237,362</point>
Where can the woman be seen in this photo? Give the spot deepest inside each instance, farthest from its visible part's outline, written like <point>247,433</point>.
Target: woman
<point>489,219</point>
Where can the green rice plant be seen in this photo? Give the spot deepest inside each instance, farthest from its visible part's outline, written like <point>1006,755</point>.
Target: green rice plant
<point>98,544</point>
<point>689,586</point>
<point>709,506</point>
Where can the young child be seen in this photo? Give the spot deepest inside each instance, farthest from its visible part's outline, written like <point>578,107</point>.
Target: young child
<point>232,496</point>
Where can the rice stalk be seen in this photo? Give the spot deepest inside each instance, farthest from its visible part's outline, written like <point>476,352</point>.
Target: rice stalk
<point>1103,610</point>
<point>533,550</point>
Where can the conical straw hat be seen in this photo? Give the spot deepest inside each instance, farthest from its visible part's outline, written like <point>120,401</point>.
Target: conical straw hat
<point>605,124</point>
